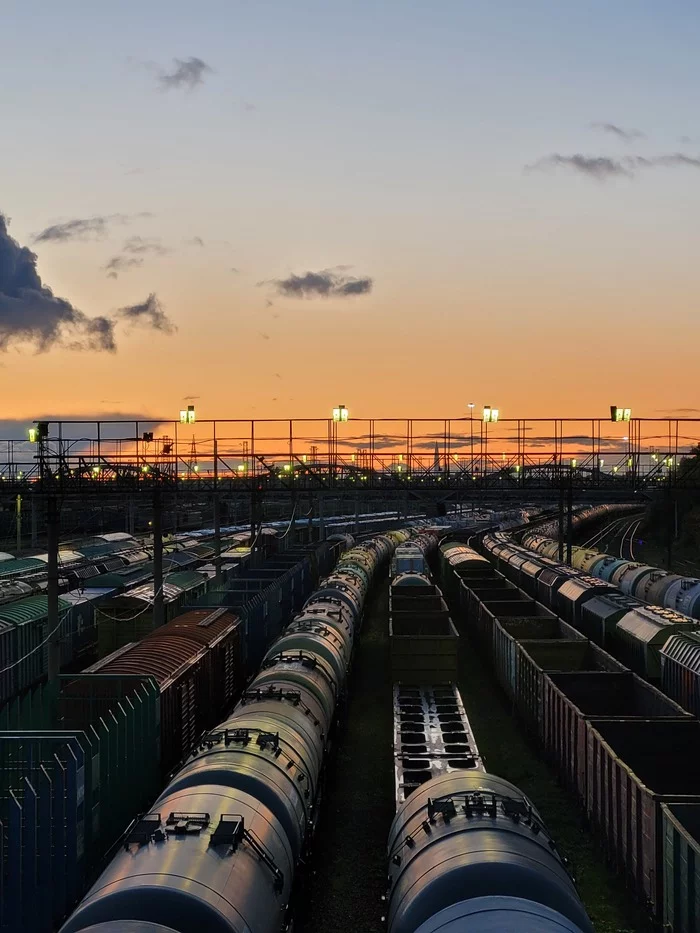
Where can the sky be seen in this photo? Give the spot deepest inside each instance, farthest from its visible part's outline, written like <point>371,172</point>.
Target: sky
<point>272,207</point>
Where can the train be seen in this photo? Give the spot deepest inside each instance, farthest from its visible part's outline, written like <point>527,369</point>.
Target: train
<point>221,846</point>
<point>568,650</point>
<point>642,581</point>
<point>467,850</point>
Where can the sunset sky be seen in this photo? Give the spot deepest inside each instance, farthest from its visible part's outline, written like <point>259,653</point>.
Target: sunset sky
<point>401,206</point>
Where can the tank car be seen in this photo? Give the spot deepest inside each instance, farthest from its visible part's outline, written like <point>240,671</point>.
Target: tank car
<point>219,850</point>
<point>468,852</point>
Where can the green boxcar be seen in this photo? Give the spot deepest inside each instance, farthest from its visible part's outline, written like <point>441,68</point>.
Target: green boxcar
<point>681,866</point>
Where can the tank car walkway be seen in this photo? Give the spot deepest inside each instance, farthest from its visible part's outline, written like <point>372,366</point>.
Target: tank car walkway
<point>347,874</point>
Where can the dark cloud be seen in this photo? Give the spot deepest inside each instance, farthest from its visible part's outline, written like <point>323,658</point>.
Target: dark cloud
<point>190,398</point>
<point>599,167</point>
<point>686,140</point>
<point>585,440</point>
<point>277,376</point>
<point>137,246</point>
<point>678,412</point>
<point>234,269</point>
<point>196,241</point>
<point>150,313</point>
<point>187,73</point>
<point>264,336</point>
<point>328,283</point>
<point>132,255</point>
<point>618,131</point>
<point>674,159</point>
<point>604,167</point>
<point>83,228</point>
<point>15,429</point>
<point>31,313</point>
<point>118,264</point>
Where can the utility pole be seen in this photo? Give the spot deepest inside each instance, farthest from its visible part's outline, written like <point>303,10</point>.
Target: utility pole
<point>33,521</point>
<point>18,525</point>
<point>158,602</point>
<point>217,515</point>
<point>561,518</point>
<point>570,517</point>
<point>53,517</point>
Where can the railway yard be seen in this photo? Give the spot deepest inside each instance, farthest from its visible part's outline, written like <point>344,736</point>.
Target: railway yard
<point>435,726</point>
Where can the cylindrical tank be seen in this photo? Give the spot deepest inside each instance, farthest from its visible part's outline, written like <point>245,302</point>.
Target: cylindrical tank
<point>303,669</point>
<point>128,926</point>
<point>498,915</point>
<point>688,598</point>
<point>467,835</point>
<point>228,887</point>
<point>631,580</point>
<point>611,568</point>
<point>654,587</point>
<point>315,638</point>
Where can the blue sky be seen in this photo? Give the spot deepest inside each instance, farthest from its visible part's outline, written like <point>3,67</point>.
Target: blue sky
<point>391,138</point>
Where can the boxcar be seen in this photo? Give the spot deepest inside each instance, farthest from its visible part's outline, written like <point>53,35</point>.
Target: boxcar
<point>571,699</point>
<point>681,866</point>
<point>509,630</point>
<point>538,657</point>
<point>640,635</point>
<point>680,670</point>
<point>633,766</point>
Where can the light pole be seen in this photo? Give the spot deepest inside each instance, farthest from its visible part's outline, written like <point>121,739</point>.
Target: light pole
<point>470,406</point>
<point>340,415</point>
<point>490,416</point>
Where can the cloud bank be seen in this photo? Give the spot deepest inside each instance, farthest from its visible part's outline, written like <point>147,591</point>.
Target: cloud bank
<point>31,313</point>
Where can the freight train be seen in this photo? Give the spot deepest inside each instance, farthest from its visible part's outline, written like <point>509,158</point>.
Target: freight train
<point>220,848</point>
<point>468,852</point>
<point>642,581</point>
<point>658,643</point>
<point>629,752</point>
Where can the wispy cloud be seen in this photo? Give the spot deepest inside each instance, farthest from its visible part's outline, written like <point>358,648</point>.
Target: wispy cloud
<point>31,313</point>
<point>620,132</point>
<point>603,168</point>
<point>84,228</point>
<point>329,283</point>
<point>150,313</point>
<point>118,264</point>
<point>599,167</point>
<point>195,241</point>
<point>137,245</point>
<point>186,73</point>
<point>132,255</point>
